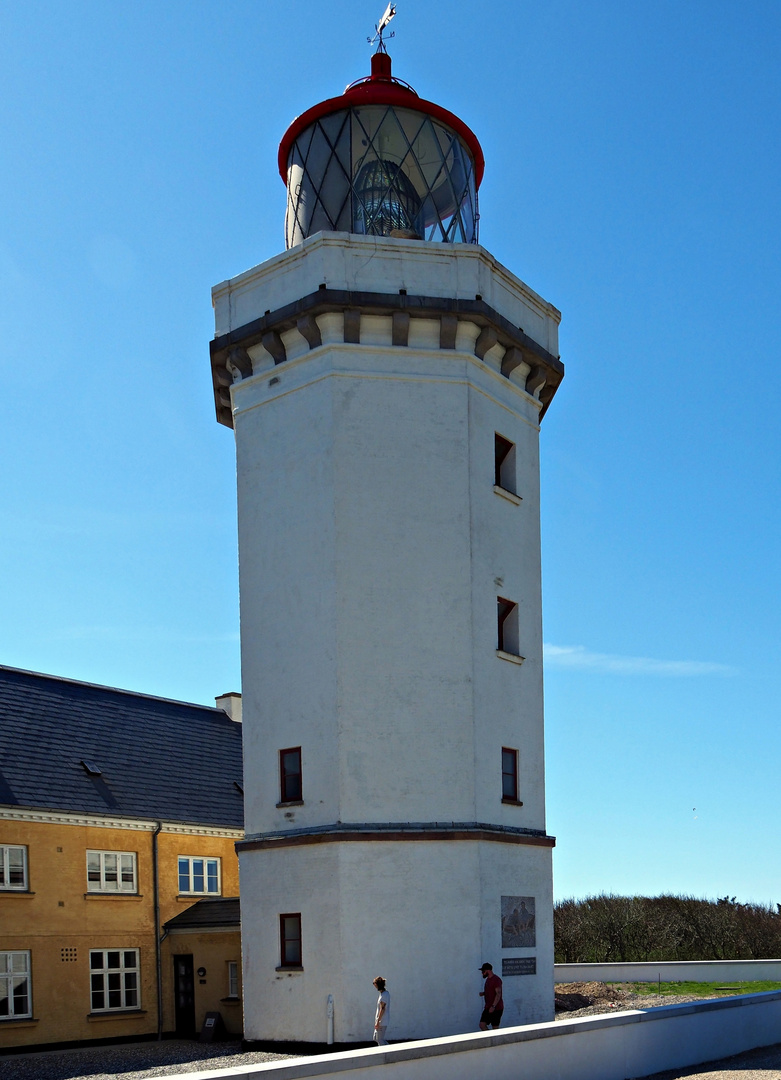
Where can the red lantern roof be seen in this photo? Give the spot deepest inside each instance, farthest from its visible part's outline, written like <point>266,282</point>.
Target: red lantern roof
<point>380,88</point>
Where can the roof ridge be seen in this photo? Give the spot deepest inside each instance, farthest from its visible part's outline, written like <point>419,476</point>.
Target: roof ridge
<point>113,689</point>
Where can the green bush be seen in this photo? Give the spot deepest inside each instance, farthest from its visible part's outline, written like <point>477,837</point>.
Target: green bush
<point>609,929</point>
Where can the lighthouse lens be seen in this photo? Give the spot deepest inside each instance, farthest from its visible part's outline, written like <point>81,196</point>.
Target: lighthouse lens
<point>386,202</point>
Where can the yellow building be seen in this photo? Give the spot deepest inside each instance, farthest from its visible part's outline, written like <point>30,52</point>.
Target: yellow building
<point>118,813</point>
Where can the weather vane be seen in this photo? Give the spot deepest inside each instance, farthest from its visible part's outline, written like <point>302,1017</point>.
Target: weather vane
<point>381,26</point>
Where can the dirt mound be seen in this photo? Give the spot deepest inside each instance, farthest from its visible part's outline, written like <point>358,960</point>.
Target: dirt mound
<point>583,995</point>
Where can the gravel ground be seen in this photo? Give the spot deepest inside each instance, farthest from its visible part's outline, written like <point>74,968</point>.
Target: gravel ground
<point>130,1061</point>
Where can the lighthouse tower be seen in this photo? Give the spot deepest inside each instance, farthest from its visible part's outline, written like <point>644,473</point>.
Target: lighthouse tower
<point>385,378</point>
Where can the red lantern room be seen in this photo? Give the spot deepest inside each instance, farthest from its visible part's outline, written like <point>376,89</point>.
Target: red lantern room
<point>379,160</point>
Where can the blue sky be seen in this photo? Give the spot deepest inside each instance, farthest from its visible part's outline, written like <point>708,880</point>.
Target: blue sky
<point>632,178</point>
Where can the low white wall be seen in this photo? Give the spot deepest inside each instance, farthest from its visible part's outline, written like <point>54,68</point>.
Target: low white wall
<point>614,1047</point>
<point>722,971</point>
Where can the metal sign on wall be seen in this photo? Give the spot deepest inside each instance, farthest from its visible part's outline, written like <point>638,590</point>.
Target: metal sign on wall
<point>519,965</point>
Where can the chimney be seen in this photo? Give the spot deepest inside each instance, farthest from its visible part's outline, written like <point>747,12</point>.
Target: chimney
<point>230,703</point>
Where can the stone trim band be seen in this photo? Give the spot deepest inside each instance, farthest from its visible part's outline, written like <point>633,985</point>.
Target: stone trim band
<point>369,833</point>
<point>230,359</point>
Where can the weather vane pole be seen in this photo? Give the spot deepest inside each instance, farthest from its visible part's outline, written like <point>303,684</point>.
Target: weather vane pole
<point>381,27</point>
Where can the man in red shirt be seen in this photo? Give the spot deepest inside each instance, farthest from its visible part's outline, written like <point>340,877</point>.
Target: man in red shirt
<point>492,999</point>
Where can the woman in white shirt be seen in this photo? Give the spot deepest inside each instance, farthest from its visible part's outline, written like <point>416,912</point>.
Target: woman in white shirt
<point>382,1016</point>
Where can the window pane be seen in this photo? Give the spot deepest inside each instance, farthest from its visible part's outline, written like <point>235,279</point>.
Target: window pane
<point>96,959</point>
<point>114,980</point>
<point>115,999</point>
<point>184,875</point>
<point>509,774</point>
<point>98,1000</point>
<point>16,866</point>
<point>93,866</point>
<point>291,939</point>
<point>198,875</point>
<point>5,1004</point>
<point>130,980</point>
<point>96,982</point>
<point>21,1005</point>
<point>212,871</point>
<point>112,959</point>
<point>110,868</point>
<point>127,870</point>
<point>290,762</point>
<point>18,962</point>
<point>131,999</point>
<point>4,963</point>
<point>130,959</point>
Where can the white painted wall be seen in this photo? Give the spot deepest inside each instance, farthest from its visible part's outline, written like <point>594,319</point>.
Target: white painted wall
<point>372,548</point>
<point>631,1044</point>
<point>423,914</point>
<point>384,264</point>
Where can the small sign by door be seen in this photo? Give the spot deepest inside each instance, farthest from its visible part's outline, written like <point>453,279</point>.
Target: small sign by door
<point>213,1027</point>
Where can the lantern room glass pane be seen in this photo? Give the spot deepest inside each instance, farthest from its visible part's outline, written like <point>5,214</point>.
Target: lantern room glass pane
<point>382,171</point>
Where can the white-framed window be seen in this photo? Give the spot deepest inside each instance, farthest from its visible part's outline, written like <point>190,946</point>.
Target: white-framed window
<point>16,998</point>
<point>111,871</point>
<point>199,875</point>
<point>13,866</point>
<point>114,979</point>
<point>233,978</point>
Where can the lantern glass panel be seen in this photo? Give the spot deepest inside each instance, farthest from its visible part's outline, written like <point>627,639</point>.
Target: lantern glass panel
<point>382,171</point>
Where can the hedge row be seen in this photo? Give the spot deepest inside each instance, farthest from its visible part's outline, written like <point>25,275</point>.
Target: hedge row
<point>607,928</point>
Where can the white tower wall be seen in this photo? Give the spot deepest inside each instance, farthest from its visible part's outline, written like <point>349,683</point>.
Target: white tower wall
<point>372,548</point>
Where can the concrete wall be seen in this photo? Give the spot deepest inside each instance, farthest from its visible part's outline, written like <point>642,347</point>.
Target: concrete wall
<point>633,1044</point>
<point>724,971</point>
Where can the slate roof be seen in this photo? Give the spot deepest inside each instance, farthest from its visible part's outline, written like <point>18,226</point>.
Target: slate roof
<point>210,913</point>
<point>158,759</point>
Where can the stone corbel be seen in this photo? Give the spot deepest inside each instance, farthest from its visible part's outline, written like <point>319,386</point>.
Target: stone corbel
<point>535,379</point>
<point>239,364</point>
<point>400,327</point>
<point>448,330</point>
<point>310,331</point>
<point>221,376</point>
<point>511,360</point>
<point>486,340</point>
<point>274,345</point>
<point>352,326</point>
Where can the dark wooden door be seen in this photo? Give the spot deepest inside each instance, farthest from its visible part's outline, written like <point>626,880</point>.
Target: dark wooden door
<point>184,996</point>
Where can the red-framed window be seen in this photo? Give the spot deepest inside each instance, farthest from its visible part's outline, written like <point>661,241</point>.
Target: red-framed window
<point>290,940</point>
<point>290,786</point>
<point>509,774</point>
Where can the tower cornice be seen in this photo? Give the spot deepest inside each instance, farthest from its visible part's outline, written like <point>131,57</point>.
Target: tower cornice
<point>369,832</point>
<point>231,361</point>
